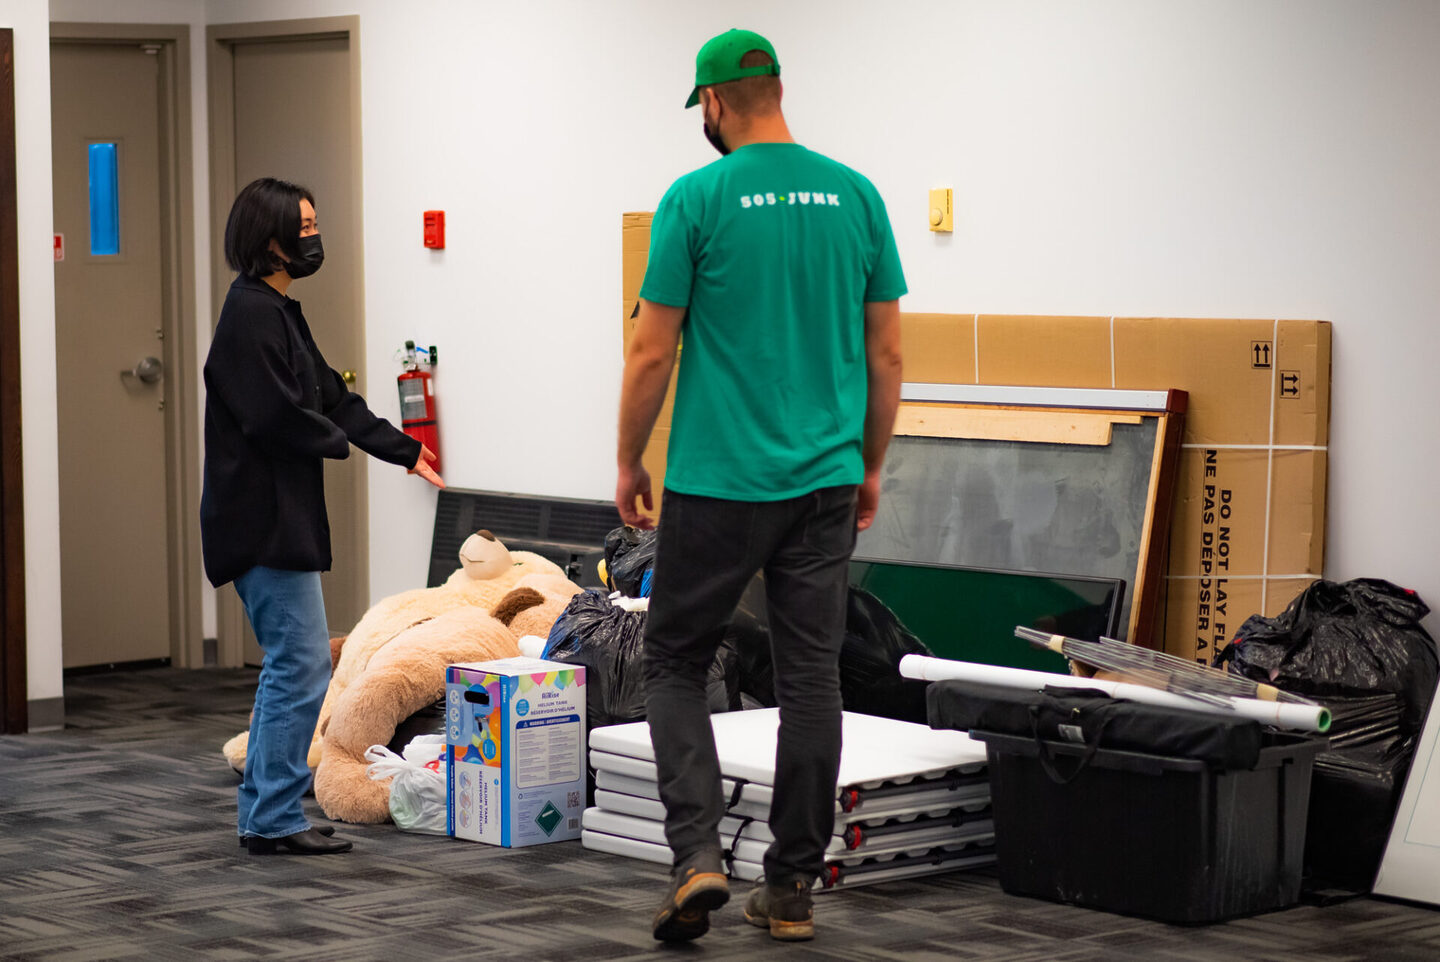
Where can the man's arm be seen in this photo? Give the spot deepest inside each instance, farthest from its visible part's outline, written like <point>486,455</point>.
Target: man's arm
<point>882,364</point>
<point>642,392</point>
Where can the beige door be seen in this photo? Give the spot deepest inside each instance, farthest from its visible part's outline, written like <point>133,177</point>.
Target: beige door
<point>109,319</point>
<point>293,121</point>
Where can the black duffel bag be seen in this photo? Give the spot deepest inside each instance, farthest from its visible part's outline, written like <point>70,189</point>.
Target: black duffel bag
<point>1090,717</point>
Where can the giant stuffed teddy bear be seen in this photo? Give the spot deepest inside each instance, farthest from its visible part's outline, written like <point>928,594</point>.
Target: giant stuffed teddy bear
<point>393,663</point>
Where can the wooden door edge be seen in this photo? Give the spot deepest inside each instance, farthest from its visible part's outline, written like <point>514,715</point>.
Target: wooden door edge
<point>14,686</point>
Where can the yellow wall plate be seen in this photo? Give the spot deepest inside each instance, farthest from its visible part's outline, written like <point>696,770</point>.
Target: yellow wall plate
<point>941,215</point>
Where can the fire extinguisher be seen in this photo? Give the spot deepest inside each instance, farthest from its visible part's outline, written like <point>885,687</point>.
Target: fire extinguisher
<point>417,399</point>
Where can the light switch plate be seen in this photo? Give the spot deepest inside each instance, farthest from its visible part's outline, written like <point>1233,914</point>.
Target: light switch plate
<point>941,213</point>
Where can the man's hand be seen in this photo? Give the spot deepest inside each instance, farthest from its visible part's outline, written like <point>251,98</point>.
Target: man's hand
<point>422,467</point>
<point>867,499</point>
<point>634,482</point>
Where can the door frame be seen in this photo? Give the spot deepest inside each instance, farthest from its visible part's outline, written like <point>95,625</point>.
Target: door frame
<point>220,41</point>
<point>14,710</point>
<point>178,292</point>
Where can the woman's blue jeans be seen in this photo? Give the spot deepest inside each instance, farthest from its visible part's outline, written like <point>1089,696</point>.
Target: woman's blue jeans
<point>287,612</point>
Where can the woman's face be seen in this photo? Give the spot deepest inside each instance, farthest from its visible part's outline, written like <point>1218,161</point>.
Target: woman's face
<point>309,223</point>
<point>309,226</point>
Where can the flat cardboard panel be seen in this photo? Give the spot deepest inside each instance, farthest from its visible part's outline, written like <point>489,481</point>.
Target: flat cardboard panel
<point>1203,615</point>
<point>1297,513</point>
<point>938,348</point>
<point>1219,522</point>
<point>1216,361</point>
<point>634,252</point>
<point>1302,382</point>
<point>1045,351</point>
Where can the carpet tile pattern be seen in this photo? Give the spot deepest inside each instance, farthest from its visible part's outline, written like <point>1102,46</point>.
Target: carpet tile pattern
<point>117,842</point>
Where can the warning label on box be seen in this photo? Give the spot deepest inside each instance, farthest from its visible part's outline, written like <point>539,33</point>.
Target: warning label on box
<point>1212,610</point>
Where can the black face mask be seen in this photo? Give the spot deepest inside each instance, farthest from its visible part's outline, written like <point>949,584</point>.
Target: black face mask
<point>714,137</point>
<point>311,256</point>
<point>715,141</point>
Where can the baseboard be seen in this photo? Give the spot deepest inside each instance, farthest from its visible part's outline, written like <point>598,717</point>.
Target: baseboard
<point>115,666</point>
<point>46,714</point>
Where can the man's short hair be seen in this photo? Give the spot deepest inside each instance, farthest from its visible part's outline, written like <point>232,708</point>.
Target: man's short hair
<point>266,208</point>
<point>751,95</point>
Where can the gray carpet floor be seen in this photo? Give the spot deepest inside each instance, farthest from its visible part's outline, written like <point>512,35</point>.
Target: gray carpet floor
<point>117,842</point>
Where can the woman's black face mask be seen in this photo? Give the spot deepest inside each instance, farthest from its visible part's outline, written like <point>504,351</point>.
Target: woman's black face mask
<point>311,256</point>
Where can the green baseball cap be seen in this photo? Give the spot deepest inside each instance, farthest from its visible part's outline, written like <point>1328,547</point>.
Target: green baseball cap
<point>719,60</point>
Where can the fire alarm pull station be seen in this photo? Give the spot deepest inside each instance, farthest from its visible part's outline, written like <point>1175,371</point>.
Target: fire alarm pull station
<point>435,229</point>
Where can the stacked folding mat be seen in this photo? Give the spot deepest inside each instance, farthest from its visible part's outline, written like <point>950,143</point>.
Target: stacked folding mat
<point>909,800</point>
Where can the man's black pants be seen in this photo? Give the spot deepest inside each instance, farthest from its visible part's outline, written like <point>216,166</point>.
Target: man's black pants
<point>708,551</point>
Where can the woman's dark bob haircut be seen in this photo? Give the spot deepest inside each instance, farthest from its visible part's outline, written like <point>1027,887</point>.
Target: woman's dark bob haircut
<point>266,208</point>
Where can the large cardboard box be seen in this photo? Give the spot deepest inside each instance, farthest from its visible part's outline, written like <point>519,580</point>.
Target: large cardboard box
<point>1249,515</point>
<point>515,751</point>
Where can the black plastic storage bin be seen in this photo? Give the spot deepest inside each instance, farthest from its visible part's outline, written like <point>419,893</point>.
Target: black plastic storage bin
<point>1170,839</point>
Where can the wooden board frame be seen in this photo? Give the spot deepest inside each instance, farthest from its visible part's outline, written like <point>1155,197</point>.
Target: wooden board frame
<point>1041,415</point>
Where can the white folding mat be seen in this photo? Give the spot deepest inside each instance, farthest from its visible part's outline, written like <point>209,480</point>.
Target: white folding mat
<point>838,873</point>
<point>878,751</point>
<point>852,831</point>
<point>754,802</point>
<point>909,800</point>
<point>913,838</point>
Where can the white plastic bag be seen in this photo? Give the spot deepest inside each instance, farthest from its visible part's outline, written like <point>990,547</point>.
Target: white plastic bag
<point>417,794</point>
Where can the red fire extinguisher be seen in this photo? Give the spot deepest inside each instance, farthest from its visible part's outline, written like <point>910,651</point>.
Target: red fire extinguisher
<point>417,399</point>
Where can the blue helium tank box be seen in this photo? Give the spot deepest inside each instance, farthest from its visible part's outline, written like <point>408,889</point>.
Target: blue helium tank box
<point>515,751</point>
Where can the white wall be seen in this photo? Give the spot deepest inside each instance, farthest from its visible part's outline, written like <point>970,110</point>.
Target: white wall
<point>1219,158</point>
<point>29,20</point>
<point>1216,158</point>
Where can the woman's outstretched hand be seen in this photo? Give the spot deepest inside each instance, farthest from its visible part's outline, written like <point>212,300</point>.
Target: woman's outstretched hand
<point>422,467</point>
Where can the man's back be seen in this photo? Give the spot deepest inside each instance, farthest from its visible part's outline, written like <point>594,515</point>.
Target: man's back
<point>774,249</point>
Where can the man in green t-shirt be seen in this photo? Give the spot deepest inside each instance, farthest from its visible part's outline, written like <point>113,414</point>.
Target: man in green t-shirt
<point>779,268</point>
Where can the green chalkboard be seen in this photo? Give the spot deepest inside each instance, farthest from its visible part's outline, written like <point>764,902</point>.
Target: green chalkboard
<point>1018,505</point>
<point>970,614</point>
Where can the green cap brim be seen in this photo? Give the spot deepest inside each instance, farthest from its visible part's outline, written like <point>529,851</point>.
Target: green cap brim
<point>694,98</point>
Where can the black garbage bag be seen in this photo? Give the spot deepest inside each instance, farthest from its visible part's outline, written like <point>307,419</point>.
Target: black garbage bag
<point>1351,639</point>
<point>1355,791</point>
<point>1358,648</point>
<point>429,720</point>
<point>610,643</point>
<point>870,680</point>
<point>629,559</point>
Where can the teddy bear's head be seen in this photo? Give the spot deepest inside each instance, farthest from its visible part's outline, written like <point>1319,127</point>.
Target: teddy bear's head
<point>483,557</point>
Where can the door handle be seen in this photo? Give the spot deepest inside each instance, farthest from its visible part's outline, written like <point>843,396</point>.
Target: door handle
<point>348,377</point>
<point>147,370</point>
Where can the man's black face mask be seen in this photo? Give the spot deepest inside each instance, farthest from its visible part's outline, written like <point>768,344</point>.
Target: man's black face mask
<point>713,135</point>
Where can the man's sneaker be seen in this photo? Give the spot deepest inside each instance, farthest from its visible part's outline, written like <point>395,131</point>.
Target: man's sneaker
<point>787,909</point>
<point>697,887</point>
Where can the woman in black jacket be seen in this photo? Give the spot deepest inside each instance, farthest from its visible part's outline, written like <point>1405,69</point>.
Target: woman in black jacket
<point>274,410</point>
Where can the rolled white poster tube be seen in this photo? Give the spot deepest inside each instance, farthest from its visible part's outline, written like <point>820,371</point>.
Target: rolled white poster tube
<point>1305,718</point>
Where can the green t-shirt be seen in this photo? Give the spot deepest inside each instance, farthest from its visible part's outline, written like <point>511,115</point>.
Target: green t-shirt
<point>774,250</point>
